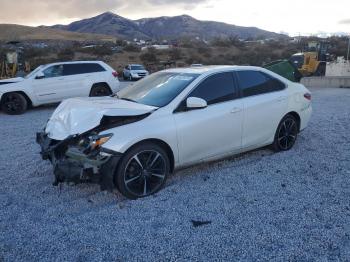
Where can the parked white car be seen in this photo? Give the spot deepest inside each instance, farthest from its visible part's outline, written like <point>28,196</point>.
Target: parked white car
<point>171,119</point>
<point>134,72</point>
<point>55,82</point>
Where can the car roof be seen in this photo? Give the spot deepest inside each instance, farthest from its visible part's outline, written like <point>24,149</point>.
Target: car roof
<point>75,62</point>
<point>206,70</point>
<point>211,68</point>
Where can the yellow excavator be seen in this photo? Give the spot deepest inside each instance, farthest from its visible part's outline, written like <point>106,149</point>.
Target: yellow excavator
<point>312,60</point>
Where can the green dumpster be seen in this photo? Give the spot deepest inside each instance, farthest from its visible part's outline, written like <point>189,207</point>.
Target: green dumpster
<point>284,68</point>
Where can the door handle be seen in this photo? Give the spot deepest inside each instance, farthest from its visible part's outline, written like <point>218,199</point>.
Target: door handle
<point>235,110</point>
<point>281,98</point>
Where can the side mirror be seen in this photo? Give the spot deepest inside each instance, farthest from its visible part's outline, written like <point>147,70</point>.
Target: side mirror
<point>40,75</point>
<point>196,102</point>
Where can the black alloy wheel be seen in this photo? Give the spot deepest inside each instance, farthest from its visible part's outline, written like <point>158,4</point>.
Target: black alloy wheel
<point>286,134</point>
<point>142,171</point>
<point>14,104</point>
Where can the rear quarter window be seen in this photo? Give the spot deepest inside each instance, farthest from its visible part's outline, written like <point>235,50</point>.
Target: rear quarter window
<point>76,69</point>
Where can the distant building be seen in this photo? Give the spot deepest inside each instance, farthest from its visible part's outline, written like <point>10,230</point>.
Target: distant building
<point>158,47</point>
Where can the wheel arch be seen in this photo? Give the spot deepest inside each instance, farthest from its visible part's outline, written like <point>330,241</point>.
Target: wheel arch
<point>101,83</point>
<point>29,101</point>
<point>296,116</point>
<point>162,144</point>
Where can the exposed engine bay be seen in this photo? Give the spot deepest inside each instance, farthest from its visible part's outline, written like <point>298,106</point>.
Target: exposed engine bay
<point>81,157</point>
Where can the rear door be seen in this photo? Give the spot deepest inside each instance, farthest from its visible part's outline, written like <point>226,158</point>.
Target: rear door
<point>214,130</point>
<point>80,78</point>
<point>265,103</point>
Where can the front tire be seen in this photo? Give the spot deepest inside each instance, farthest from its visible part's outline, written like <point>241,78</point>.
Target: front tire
<point>286,134</point>
<point>143,171</point>
<point>14,104</point>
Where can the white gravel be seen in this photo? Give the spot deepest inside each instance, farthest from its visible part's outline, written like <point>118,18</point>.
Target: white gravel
<point>291,206</point>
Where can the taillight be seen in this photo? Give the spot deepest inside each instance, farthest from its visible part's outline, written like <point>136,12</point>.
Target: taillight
<point>115,74</point>
<point>307,96</point>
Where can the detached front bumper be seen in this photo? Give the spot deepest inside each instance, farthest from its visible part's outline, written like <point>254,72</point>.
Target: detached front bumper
<point>71,164</point>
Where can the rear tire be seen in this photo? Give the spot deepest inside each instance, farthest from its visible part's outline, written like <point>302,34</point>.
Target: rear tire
<point>14,104</point>
<point>143,171</point>
<point>100,90</point>
<point>286,134</point>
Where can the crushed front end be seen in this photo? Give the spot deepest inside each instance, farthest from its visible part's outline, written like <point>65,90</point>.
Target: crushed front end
<point>80,158</point>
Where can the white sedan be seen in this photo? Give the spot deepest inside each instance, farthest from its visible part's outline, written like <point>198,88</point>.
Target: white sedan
<point>53,83</point>
<point>171,119</point>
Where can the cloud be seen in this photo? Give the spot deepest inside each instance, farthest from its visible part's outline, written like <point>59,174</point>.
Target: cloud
<point>188,5</point>
<point>344,22</point>
<point>44,11</point>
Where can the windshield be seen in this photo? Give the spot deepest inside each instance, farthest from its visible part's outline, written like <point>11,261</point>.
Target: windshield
<point>137,67</point>
<point>33,72</point>
<point>158,89</point>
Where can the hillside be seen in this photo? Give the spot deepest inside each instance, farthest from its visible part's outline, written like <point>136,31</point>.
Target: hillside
<point>163,28</point>
<point>107,24</point>
<point>11,32</point>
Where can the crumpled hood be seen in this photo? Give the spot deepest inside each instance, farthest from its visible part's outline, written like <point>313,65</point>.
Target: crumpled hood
<point>78,115</point>
<point>11,80</point>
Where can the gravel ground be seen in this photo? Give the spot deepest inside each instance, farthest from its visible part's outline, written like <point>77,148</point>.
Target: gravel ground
<point>290,206</point>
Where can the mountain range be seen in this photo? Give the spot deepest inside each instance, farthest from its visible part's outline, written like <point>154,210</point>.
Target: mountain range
<point>11,32</point>
<point>164,27</point>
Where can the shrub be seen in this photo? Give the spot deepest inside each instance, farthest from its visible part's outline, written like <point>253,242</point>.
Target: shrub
<point>102,50</point>
<point>132,48</point>
<point>175,54</point>
<point>66,54</point>
<point>204,51</point>
<point>149,57</point>
<point>194,59</point>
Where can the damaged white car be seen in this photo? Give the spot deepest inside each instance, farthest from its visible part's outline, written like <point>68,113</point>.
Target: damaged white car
<point>171,119</point>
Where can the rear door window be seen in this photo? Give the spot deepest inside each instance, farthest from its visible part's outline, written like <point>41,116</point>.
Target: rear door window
<point>256,83</point>
<point>216,88</point>
<point>77,69</point>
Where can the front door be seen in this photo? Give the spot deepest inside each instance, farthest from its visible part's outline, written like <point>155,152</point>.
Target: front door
<point>49,88</point>
<point>215,130</point>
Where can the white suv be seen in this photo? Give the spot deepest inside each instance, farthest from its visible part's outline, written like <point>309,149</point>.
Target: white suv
<point>54,82</point>
<point>134,72</point>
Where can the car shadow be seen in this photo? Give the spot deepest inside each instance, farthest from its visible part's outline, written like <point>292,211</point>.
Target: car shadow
<point>35,109</point>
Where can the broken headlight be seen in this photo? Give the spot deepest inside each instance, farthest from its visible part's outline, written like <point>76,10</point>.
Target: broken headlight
<point>97,141</point>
